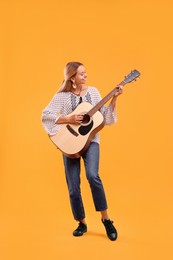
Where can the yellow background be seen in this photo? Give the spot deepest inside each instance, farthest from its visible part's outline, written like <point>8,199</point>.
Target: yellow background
<point>111,38</point>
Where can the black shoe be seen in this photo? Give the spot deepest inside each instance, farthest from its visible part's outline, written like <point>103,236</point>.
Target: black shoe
<point>110,229</point>
<point>82,228</point>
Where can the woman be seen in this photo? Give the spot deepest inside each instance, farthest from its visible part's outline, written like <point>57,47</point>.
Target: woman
<point>73,91</point>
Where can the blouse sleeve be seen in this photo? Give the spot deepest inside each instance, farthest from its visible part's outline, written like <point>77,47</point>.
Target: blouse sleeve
<point>51,114</point>
<point>110,116</point>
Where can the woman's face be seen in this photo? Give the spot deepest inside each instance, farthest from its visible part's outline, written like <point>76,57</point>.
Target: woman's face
<point>80,77</point>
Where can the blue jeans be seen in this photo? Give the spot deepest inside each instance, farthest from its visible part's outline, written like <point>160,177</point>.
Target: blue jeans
<point>72,171</point>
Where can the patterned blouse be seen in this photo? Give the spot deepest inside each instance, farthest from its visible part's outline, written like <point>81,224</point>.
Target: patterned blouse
<point>64,103</point>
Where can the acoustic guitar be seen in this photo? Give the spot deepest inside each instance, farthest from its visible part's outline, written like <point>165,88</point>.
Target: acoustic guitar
<point>73,140</point>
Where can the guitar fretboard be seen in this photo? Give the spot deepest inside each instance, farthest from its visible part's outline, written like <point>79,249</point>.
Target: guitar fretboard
<point>104,100</point>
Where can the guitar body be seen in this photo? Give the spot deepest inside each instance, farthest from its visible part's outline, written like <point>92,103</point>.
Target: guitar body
<point>72,139</point>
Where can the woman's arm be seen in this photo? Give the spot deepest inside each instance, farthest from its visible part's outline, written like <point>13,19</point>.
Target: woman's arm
<point>52,112</point>
<point>71,119</point>
<point>114,99</point>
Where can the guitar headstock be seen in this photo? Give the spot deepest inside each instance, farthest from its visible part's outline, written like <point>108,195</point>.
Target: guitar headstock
<point>132,76</point>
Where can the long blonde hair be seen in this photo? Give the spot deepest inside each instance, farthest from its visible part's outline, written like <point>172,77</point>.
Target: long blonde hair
<point>70,70</point>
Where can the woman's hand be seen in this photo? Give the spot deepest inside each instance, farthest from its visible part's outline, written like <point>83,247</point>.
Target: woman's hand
<point>119,91</point>
<point>75,119</point>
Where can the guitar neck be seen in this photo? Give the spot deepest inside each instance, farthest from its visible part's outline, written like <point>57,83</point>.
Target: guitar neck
<point>104,100</point>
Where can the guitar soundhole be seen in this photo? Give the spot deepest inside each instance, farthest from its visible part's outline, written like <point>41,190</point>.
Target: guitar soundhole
<point>86,125</point>
<point>86,119</point>
<point>85,129</point>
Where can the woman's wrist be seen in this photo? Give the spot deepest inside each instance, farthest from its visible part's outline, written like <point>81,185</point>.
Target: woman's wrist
<point>62,120</point>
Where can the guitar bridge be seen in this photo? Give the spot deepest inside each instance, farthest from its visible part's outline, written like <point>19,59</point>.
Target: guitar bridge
<point>72,131</point>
